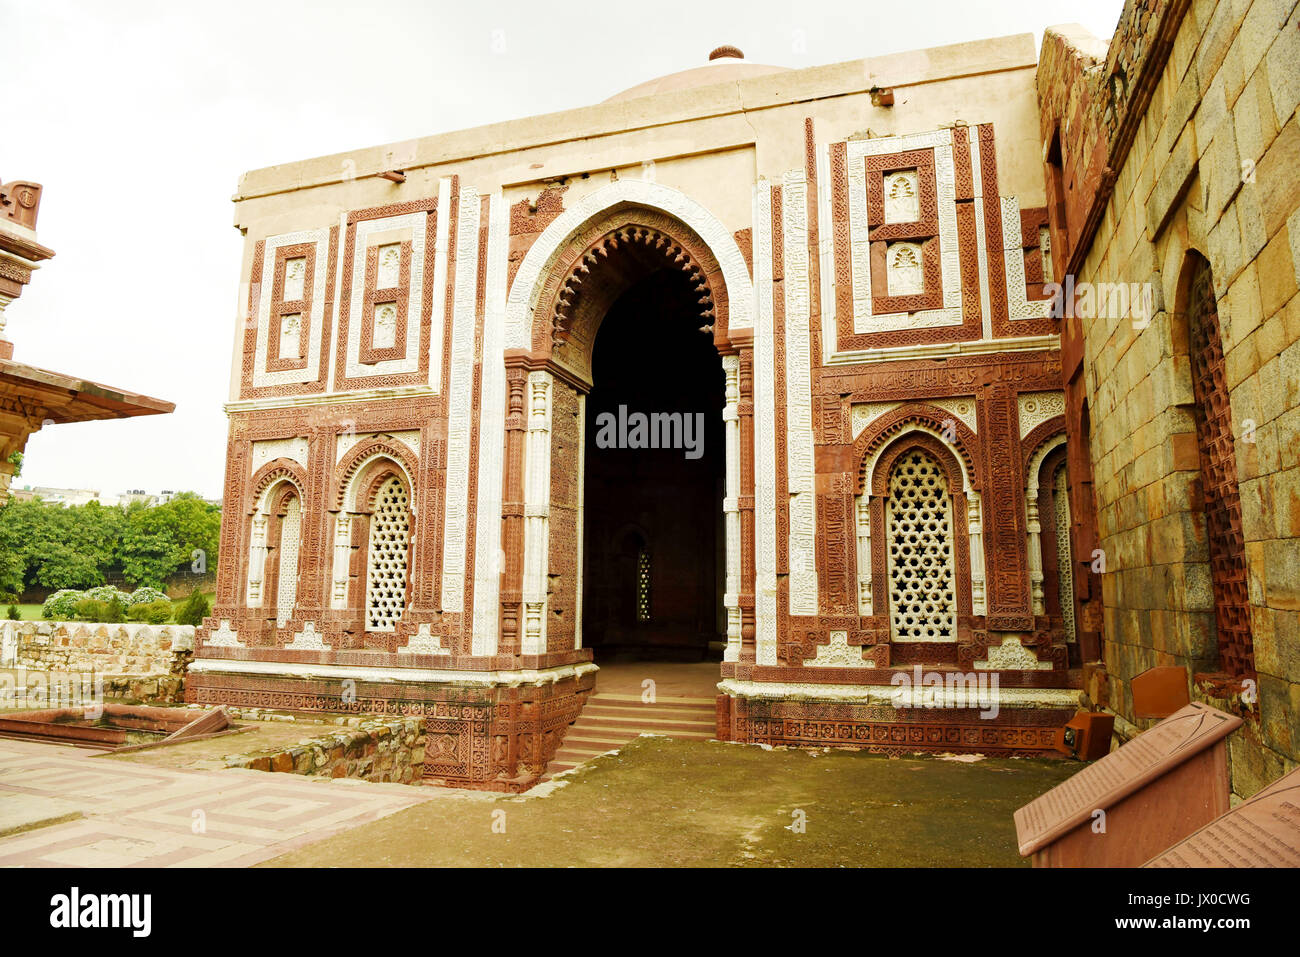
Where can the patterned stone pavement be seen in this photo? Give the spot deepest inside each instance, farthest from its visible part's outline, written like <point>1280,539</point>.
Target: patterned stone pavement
<point>137,815</point>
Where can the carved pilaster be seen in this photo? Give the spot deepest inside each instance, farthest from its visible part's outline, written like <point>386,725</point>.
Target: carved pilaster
<point>537,492</point>
<point>863,512</point>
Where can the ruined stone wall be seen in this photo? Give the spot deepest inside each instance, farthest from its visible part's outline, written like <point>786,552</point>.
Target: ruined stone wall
<point>375,750</point>
<point>135,661</point>
<point>1184,141</point>
<point>109,649</point>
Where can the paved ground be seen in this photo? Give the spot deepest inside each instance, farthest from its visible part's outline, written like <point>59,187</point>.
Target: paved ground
<point>655,802</point>
<point>135,815</point>
<point>662,803</point>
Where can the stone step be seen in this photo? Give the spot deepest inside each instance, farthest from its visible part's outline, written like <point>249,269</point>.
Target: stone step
<point>689,712</point>
<point>667,728</point>
<point>665,700</point>
<point>649,714</point>
<point>610,721</point>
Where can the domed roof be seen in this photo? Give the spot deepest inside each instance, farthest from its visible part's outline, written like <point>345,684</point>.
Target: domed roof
<point>726,64</point>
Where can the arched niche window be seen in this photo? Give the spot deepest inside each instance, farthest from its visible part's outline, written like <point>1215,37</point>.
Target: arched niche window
<point>921,566</point>
<point>287,571</point>
<point>1212,412</point>
<point>387,551</point>
<point>275,552</point>
<point>1051,540</point>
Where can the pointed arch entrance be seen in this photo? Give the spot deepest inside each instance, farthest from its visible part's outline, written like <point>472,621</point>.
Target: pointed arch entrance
<point>628,263</point>
<point>653,478</point>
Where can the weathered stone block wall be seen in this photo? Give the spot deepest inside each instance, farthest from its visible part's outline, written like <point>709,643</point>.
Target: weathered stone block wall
<point>1211,169</point>
<point>137,661</point>
<point>375,750</point>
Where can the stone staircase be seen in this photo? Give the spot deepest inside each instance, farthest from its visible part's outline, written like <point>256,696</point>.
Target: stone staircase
<point>610,721</point>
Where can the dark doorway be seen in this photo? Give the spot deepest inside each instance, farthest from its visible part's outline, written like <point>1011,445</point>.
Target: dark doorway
<point>653,530</point>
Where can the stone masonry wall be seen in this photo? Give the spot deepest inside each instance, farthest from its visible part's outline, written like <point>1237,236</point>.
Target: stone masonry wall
<point>1211,169</point>
<point>136,661</point>
<point>374,750</point>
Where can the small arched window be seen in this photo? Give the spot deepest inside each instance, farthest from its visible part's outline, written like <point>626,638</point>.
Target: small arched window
<point>922,577</point>
<point>386,556</point>
<point>288,552</point>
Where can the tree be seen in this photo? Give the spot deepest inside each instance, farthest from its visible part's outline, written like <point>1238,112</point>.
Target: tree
<point>160,540</point>
<point>194,610</point>
<point>49,546</point>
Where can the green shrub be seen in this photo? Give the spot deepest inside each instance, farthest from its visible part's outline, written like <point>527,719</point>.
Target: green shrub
<point>152,612</point>
<point>88,609</point>
<point>147,594</point>
<point>92,609</point>
<point>109,594</point>
<point>116,610</point>
<point>13,614</point>
<point>62,605</point>
<point>194,610</point>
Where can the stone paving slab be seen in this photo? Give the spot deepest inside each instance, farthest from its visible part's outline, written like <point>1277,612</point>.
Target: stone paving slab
<point>136,815</point>
<point>21,812</point>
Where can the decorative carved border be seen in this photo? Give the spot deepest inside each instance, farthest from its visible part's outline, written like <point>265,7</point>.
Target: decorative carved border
<point>247,388</point>
<point>428,318</point>
<point>375,297</point>
<point>281,308</point>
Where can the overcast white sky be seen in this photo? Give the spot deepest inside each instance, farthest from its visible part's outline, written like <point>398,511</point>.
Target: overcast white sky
<point>138,118</point>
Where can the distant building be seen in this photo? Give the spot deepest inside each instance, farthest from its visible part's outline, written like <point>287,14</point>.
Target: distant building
<point>60,496</point>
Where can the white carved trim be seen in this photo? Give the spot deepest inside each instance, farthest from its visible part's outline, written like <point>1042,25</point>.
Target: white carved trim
<point>460,406</point>
<point>798,375</point>
<point>309,639</point>
<point>838,653</point>
<point>865,319</point>
<point>764,432</point>
<point>1035,408</point>
<point>295,450</point>
<point>416,224</point>
<point>223,637</point>
<point>1019,307</point>
<point>932,350</point>
<point>538,401</point>
<point>862,414</point>
<point>1011,655</point>
<point>441,311</point>
<point>424,642</point>
<point>962,408</point>
<point>731,504</point>
<point>489,559</point>
<point>510,679</point>
<point>884,694</point>
<point>316,320</point>
<point>542,254</point>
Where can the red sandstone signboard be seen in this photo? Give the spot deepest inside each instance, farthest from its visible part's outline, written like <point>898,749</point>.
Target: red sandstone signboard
<point>1138,800</point>
<point>1261,832</point>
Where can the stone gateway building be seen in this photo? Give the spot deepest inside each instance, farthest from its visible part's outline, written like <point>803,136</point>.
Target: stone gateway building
<point>745,362</point>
